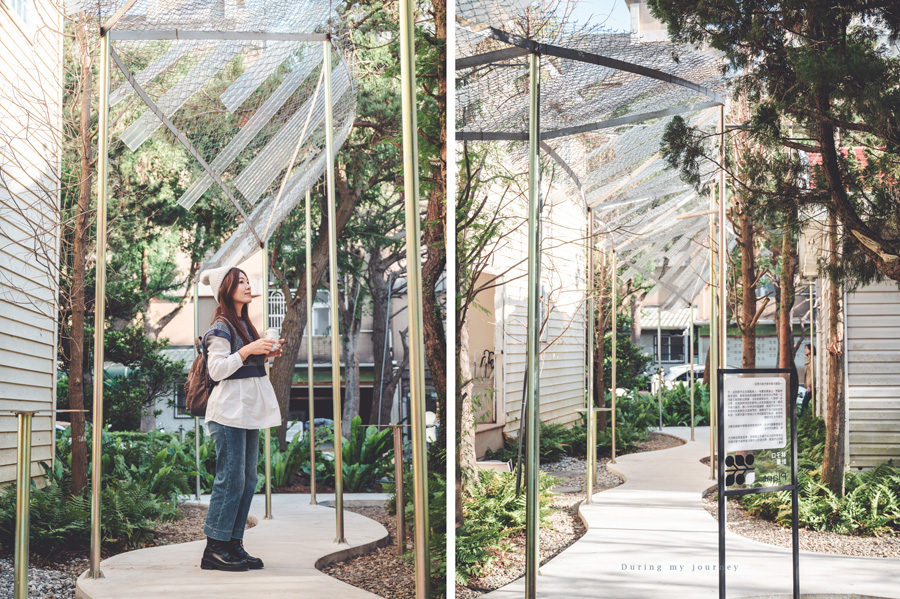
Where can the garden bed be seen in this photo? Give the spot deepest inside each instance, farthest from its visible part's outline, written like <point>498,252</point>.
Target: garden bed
<point>763,531</point>
<point>382,571</point>
<point>565,526</point>
<point>54,577</point>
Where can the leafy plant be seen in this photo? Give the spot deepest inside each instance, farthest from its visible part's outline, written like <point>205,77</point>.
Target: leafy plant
<point>871,505</point>
<point>490,514</point>
<point>367,455</point>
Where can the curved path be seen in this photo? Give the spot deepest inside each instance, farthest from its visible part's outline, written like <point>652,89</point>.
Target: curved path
<point>651,538</point>
<point>291,544</point>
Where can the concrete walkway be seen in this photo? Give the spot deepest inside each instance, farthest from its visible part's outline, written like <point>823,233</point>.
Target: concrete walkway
<point>299,537</point>
<point>651,538</point>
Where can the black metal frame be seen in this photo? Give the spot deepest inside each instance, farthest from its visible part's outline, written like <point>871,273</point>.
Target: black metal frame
<point>725,493</point>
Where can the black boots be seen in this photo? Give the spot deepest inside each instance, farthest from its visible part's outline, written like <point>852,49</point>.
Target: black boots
<point>221,555</point>
<point>237,546</point>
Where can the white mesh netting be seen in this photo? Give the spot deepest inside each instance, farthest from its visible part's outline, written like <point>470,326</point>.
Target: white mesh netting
<point>605,101</point>
<point>240,82</point>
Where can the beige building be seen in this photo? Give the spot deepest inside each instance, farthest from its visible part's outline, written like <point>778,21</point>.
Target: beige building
<point>30,100</point>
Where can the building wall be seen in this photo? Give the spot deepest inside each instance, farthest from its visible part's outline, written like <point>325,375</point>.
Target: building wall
<point>30,95</point>
<point>563,272</point>
<point>872,317</point>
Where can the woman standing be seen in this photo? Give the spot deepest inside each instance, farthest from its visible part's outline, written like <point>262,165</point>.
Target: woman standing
<point>240,405</point>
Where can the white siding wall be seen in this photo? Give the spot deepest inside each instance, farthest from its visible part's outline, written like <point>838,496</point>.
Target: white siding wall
<point>562,374</point>
<point>873,362</point>
<point>29,227</point>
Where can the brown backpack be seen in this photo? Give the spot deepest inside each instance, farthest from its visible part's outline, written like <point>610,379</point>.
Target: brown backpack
<point>199,384</point>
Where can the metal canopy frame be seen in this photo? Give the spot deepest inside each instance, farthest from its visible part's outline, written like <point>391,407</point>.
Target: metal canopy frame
<point>646,173</point>
<point>296,186</point>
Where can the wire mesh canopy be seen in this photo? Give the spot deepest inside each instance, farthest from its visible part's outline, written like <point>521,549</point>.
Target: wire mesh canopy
<point>237,86</point>
<point>605,100</point>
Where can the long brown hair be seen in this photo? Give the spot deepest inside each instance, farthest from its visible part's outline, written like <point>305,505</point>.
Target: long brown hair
<point>225,310</point>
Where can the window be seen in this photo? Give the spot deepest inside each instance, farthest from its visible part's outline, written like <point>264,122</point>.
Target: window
<point>672,347</point>
<point>321,316</point>
<point>181,401</point>
<point>24,10</point>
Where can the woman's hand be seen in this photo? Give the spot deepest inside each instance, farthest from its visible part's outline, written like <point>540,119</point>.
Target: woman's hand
<point>256,348</point>
<point>278,352</point>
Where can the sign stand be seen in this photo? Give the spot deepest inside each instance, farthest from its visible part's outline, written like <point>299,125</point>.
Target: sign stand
<point>753,402</point>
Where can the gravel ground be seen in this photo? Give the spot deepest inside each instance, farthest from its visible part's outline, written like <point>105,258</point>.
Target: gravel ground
<point>381,572</point>
<point>763,531</point>
<point>566,526</point>
<point>55,578</point>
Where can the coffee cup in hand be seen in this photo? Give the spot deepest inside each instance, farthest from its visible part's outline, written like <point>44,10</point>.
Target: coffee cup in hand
<point>273,334</point>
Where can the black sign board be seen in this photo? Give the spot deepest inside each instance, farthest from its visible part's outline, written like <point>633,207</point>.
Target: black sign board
<point>751,445</point>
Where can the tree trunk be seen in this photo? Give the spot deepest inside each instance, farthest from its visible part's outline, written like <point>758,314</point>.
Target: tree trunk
<point>79,266</point>
<point>706,369</point>
<point>351,371</point>
<point>434,237</point>
<point>748,290</point>
<point>635,303</point>
<point>786,298</point>
<point>467,470</point>
<point>835,425</point>
<point>282,372</point>
<point>386,376</point>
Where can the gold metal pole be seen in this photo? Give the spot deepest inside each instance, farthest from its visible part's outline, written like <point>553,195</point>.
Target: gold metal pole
<point>414,286</point>
<point>532,397</point>
<point>309,356</point>
<point>398,488</point>
<point>691,358</point>
<point>333,293</point>
<point>23,503</point>
<point>723,248</point>
<point>100,305</point>
<point>267,434</point>
<point>197,418</point>
<point>713,339</point>
<point>659,368</point>
<point>615,334</point>
<point>590,473</point>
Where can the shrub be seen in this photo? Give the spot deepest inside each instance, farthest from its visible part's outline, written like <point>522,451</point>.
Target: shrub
<point>871,505</point>
<point>367,455</point>
<point>492,512</point>
<point>133,498</point>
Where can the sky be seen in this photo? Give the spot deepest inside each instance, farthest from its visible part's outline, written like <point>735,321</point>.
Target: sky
<point>613,14</point>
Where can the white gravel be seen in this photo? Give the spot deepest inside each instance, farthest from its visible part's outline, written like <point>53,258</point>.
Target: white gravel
<point>42,584</point>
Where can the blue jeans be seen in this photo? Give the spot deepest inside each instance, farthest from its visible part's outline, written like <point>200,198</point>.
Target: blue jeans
<point>237,450</point>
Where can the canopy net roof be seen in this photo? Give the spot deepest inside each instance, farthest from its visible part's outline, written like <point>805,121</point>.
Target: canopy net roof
<point>237,86</point>
<point>605,100</point>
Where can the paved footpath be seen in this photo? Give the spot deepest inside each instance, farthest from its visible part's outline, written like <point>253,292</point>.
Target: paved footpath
<point>651,538</point>
<point>291,544</point>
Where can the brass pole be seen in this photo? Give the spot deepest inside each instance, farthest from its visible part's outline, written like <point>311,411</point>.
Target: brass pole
<point>333,293</point>
<point>691,358</point>
<point>591,440</point>
<point>532,397</point>
<point>723,248</point>
<point>309,356</point>
<point>100,304</point>
<point>713,340</point>
<point>659,368</point>
<point>414,290</point>
<point>267,449</point>
<point>23,503</point>
<point>398,488</point>
<point>197,418</point>
<point>615,331</point>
